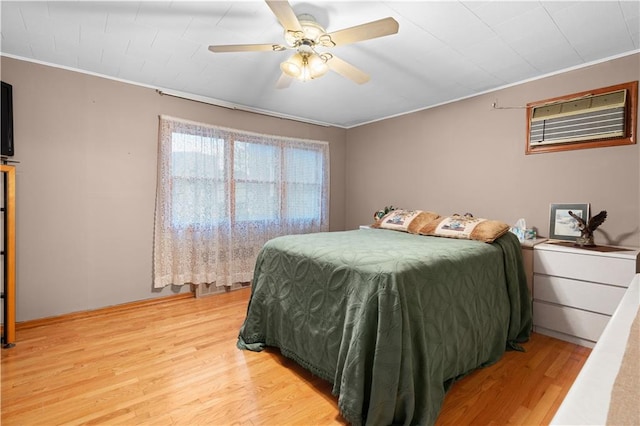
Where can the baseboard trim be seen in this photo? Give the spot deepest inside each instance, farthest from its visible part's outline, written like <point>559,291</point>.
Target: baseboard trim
<point>206,290</point>
<point>24,325</point>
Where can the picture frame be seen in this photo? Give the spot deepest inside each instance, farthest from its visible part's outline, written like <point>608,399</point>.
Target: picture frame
<point>561,225</point>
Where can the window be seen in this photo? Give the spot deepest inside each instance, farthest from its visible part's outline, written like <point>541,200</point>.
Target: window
<point>201,168</point>
<point>198,181</point>
<point>223,193</point>
<point>256,172</point>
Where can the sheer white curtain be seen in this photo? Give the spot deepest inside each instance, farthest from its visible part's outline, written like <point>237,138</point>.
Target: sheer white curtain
<point>222,193</point>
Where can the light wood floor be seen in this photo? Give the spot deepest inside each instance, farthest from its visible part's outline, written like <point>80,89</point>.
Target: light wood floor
<point>176,363</point>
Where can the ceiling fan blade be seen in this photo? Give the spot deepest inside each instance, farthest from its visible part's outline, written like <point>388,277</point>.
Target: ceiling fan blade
<point>284,81</point>
<point>246,48</point>
<point>347,70</point>
<point>374,29</point>
<point>285,14</point>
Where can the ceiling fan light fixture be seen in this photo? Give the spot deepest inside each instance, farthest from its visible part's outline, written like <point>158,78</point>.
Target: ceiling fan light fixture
<point>293,66</point>
<point>317,66</point>
<point>305,67</point>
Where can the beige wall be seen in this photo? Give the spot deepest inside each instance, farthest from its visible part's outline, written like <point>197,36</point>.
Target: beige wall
<point>87,178</point>
<point>468,157</point>
<point>87,173</point>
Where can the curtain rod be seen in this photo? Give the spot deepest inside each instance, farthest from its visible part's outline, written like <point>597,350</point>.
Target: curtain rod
<point>232,106</point>
<point>239,131</point>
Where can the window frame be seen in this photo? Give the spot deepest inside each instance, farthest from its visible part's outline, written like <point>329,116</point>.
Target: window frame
<point>229,151</point>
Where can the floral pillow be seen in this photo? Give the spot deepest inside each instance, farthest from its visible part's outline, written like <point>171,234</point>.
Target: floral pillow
<point>466,227</point>
<point>405,220</point>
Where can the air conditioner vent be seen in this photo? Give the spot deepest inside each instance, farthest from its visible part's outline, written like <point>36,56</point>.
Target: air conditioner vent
<point>587,118</point>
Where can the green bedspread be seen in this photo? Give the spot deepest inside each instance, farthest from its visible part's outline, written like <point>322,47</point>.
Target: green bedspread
<point>390,318</point>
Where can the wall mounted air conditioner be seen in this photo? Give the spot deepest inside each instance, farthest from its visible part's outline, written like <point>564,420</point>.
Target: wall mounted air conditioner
<point>597,118</point>
<point>588,118</point>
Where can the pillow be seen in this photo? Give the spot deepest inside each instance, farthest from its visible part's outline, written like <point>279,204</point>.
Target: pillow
<point>466,227</point>
<point>405,220</point>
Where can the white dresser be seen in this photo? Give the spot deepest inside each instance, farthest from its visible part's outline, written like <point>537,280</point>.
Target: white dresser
<point>576,290</point>
<point>527,258</point>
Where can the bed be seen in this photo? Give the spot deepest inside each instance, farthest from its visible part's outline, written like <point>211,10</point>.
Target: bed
<point>390,318</point>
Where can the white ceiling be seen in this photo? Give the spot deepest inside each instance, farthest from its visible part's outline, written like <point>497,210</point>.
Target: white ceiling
<point>444,50</point>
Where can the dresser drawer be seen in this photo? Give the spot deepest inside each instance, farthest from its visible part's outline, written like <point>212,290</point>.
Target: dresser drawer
<point>574,322</point>
<point>584,295</point>
<point>587,267</point>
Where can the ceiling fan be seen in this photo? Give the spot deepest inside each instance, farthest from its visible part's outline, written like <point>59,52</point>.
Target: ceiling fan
<point>304,35</point>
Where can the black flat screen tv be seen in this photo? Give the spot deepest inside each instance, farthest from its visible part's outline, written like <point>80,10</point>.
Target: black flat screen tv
<point>7,147</point>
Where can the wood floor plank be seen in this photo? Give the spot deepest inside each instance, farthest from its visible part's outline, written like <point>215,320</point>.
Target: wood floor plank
<point>176,363</point>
